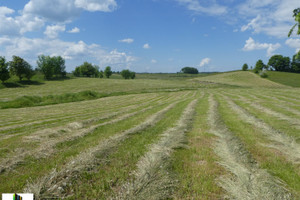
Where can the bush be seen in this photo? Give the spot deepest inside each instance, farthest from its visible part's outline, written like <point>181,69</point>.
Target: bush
<point>127,74</point>
<point>189,70</point>
<point>263,74</point>
<point>87,70</point>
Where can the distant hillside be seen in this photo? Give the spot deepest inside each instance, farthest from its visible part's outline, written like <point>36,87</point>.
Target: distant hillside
<point>285,78</point>
<point>240,78</point>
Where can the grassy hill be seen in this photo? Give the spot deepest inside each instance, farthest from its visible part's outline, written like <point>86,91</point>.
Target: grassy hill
<point>285,78</point>
<point>240,78</point>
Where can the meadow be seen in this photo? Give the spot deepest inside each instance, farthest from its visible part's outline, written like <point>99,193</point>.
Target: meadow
<point>227,135</point>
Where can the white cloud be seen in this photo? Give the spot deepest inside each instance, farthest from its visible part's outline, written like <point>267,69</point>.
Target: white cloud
<point>252,45</point>
<point>66,10</point>
<point>127,40</point>
<point>211,7</point>
<point>97,5</point>
<point>153,61</point>
<point>146,46</point>
<point>53,31</point>
<point>293,43</point>
<point>5,11</point>
<point>204,61</point>
<point>272,17</point>
<point>74,30</point>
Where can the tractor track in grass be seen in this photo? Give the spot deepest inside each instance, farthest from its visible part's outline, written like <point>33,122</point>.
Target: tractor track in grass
<point>49,138</point>
<point>53,183</point>
<point>248,180</point>
<point>151,179</point>
<point>285,144</point>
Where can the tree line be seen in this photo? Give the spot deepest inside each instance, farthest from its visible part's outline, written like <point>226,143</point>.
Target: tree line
<point>52,66</point>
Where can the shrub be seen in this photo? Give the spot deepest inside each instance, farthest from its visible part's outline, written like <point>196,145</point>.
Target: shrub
<point>263,74</point>
<point>127,74</point>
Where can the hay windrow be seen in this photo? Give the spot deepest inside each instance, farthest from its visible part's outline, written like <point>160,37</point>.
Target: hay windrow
<point>293,121</point>
<point>48,138</point>
<point>152,180</point>
<point>285,144</point>
<point>248,181</point>
<point>53,183</point>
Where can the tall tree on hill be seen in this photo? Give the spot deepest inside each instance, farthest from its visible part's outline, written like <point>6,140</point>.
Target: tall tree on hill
<point>21,68</point>
<point>107,72</point>
<point>4,72</point>
<point>280,63</point>
<point>245,67</point>
<point>259,66</point>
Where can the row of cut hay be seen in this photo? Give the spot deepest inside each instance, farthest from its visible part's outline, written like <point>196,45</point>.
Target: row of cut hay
<point>23,117</point>
<point>248,180</point>
<point>53,183</point>
<point>84,112</point>
<point>152,180</point>
<point>282,142</point>
<point>256,105</point>
<point>292,108</point>
<point>49,138</point>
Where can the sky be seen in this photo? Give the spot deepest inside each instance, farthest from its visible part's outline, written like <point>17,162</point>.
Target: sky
<point>149,35</point>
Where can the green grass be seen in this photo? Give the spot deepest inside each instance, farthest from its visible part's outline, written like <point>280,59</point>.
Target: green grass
<point>196,166</point>
<point>285,78</point>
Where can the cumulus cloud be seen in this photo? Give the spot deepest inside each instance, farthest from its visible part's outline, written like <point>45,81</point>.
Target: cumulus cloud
<point>293,43</point>
<point>211,7</point>
<point>74,30</point>
<point>153,61</point>
<point>127,40</point>
<point>146,46</point>
<point>97,5</point>
<point>18,25</point>
<point>252,45</point>
<point>53,31</point>
<point>66,10</point>
<point>204,62</point>
<point>272,17</point>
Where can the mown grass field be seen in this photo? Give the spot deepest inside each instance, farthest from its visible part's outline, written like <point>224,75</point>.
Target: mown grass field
<point>224,136</point>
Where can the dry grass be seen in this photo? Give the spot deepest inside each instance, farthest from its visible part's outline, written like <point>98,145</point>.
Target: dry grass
<point>53,183</point>
<point>285,144</point>
<point>152,180</point>
<point>248,181</point>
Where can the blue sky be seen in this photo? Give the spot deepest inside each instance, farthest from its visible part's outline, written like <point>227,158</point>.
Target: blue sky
<point>149,35</point>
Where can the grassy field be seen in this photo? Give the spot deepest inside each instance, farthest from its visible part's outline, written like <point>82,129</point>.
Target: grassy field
<point>285,78</point>
<point>223,136</point>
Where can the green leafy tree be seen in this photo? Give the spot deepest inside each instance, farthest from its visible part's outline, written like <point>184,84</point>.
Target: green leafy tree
<point>259,66</point>
<point>280,63</point>
<point>245,67</point>
<point>4,72</point>
<point>127,74</point>
<point>21,68</point>
<point>51,66</point>
<point>87,70</point>
<point>189,70</point>
<point>295,64</point>
<point>296,15</point>
<point>101,74</point>
<point>107,72</point>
